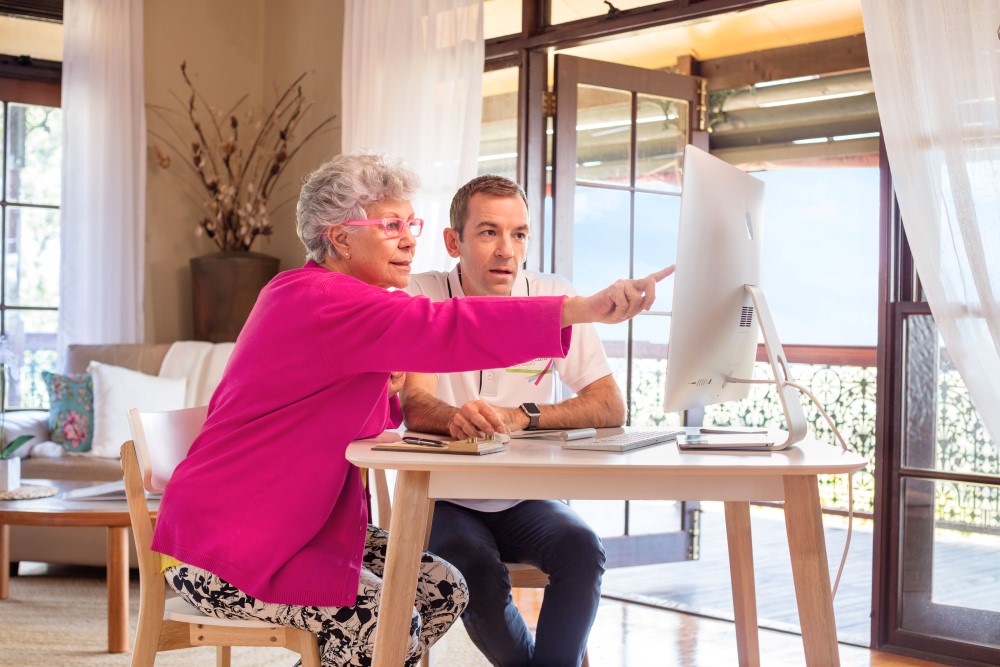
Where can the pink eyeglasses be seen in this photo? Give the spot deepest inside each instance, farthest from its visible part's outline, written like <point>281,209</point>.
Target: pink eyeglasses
<point>393,227</point>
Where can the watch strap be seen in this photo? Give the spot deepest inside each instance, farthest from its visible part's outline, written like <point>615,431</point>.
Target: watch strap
<point>532,418</point>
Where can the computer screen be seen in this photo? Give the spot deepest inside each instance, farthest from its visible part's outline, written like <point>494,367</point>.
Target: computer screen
<point>713,326</point>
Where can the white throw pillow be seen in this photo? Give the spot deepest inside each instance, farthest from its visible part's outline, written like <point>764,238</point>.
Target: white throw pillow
<point>116,391</point>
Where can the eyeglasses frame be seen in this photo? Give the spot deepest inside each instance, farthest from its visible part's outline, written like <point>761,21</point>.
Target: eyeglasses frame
<point>385,228</point>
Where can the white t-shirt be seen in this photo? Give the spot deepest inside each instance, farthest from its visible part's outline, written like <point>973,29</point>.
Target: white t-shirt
<point>537,381</point>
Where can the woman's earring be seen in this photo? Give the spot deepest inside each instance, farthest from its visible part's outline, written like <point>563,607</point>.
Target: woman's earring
<point>347,255</point>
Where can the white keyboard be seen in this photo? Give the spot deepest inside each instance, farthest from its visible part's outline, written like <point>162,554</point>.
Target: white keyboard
<point>624,441</point>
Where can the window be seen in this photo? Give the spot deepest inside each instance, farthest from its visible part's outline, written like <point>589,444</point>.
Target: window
<point>820,268</point>
<point>29,216</point>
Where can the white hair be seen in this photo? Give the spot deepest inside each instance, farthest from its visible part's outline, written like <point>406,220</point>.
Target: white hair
<point>341,189</point>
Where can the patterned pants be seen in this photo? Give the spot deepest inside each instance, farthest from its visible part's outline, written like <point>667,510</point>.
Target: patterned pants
<point>346,634</point>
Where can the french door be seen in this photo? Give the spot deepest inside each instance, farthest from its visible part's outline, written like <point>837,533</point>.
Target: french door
<point>619,137</point>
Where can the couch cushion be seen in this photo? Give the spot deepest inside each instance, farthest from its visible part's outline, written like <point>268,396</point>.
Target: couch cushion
<point>25,422</point>
<point>71,410</point>
<point>201,363</point>
<point>78,468</point>
<point>145,358</point>
<point>116,391</point>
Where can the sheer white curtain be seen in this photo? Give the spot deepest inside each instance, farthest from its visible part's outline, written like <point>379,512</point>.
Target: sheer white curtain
<point>412,87</point>
<point>104,173</point>
<point>936,68</point>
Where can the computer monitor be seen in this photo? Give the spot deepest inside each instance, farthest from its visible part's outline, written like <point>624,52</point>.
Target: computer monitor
<point>718,309</point>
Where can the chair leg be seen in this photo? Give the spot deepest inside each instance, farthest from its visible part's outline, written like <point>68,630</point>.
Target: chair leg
<point>425,659</point>
<point>223,656</point>
<point>306,644</point>
<point>147,635</point>
<point>586,659</point>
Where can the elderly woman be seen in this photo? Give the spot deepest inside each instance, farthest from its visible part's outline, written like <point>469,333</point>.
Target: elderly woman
<point>266,518</point>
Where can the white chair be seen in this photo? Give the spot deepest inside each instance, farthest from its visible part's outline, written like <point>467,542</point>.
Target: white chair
<point>160,441</point>
<point>521,575</point>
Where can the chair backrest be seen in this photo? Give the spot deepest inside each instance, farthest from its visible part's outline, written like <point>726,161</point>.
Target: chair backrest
<point>162,440</point>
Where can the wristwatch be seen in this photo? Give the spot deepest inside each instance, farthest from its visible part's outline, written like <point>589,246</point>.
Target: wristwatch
<point>533,413</point>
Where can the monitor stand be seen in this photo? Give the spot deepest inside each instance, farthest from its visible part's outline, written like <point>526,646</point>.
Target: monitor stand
<point>795,418</point>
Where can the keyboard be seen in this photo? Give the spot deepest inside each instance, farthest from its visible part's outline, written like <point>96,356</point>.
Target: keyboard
<point>623,442</point>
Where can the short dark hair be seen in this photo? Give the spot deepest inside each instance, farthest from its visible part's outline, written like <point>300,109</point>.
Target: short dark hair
<point>488,184</point>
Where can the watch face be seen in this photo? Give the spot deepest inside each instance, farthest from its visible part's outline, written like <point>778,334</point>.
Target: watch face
<point>530,409</point>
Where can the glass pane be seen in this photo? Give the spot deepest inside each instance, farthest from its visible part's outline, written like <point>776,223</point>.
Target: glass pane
<point>31,269</point>
<point>949,579</point>
<point>820,270</point>
<point>31,336</point>
<point>34,154</point>
<point>661,134</point>
<point>948,435</point>
<point>603,135</point>
<point>501,18</point>
<point>656,223</point>
<point>564,11</point>
<point>600,238</point>
<point>605,517</point>
<point>498,136</point>
<point>614,337</point>
<point>650,334</point>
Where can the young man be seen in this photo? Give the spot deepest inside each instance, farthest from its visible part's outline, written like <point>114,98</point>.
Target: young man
<point>489,236</point>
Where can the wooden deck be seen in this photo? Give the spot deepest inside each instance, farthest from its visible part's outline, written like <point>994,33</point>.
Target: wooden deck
<point>702,586</point>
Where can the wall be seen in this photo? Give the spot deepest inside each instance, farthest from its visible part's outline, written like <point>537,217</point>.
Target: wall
<point>303,36</point>
<point>232,48</point>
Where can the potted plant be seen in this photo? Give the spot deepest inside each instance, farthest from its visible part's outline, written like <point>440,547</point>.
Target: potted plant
<point>10,467</point>
<point>237,158</point>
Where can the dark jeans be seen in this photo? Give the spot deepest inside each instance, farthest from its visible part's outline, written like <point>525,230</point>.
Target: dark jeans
<point>546,534</point>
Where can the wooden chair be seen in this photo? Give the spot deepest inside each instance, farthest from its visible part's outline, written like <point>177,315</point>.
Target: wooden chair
<point>521,575</point>
<point>160,441</point>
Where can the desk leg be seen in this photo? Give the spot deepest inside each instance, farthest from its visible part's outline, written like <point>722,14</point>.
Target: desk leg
<point>410,514</point>
<point>117,589</point>
<point>741,573</point>
<point>807,546</point>
<point>4,562</point>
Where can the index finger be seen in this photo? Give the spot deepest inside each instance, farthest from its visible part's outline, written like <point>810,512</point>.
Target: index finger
<point>663,273</point>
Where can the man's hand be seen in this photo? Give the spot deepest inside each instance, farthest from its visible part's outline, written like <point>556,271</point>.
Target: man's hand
<point>476,417</point>
<point>396,381</point>
<point>621,301</point>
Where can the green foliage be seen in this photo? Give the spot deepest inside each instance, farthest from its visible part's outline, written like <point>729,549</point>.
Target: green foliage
<point>14,445</point>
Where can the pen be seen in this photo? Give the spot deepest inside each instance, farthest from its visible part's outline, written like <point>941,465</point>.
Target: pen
<point>423,441</point>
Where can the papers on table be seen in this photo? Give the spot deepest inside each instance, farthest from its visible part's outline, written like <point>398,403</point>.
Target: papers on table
<point>109,491</point>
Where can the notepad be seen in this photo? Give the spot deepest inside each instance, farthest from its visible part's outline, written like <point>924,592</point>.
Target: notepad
<point>472,446</point>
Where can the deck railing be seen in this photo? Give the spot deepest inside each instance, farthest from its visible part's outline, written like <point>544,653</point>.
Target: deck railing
<point>844,380</point>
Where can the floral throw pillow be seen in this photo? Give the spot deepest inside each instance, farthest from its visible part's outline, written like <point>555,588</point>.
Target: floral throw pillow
<point>71,410</point>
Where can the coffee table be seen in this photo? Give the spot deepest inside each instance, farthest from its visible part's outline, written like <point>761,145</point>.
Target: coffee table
<point>57,511</point>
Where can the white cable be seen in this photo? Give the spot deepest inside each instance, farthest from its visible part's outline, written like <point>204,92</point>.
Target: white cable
<point>850,483</point>
<point>850,476</point>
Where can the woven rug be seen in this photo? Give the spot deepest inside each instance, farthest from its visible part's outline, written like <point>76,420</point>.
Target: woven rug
<point>59,619</point>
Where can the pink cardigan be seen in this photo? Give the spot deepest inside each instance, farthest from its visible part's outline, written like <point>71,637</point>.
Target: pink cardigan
<point>265,499</point>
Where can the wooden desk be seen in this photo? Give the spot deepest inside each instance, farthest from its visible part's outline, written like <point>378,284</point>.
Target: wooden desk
<point>543,470</point>
<point>57,511</point>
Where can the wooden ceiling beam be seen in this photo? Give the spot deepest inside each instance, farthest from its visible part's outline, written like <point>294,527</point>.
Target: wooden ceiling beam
<point>536,35</point>
<point>832,56</point>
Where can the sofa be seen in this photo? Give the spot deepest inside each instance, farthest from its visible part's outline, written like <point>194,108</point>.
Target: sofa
<point>199,363</point>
